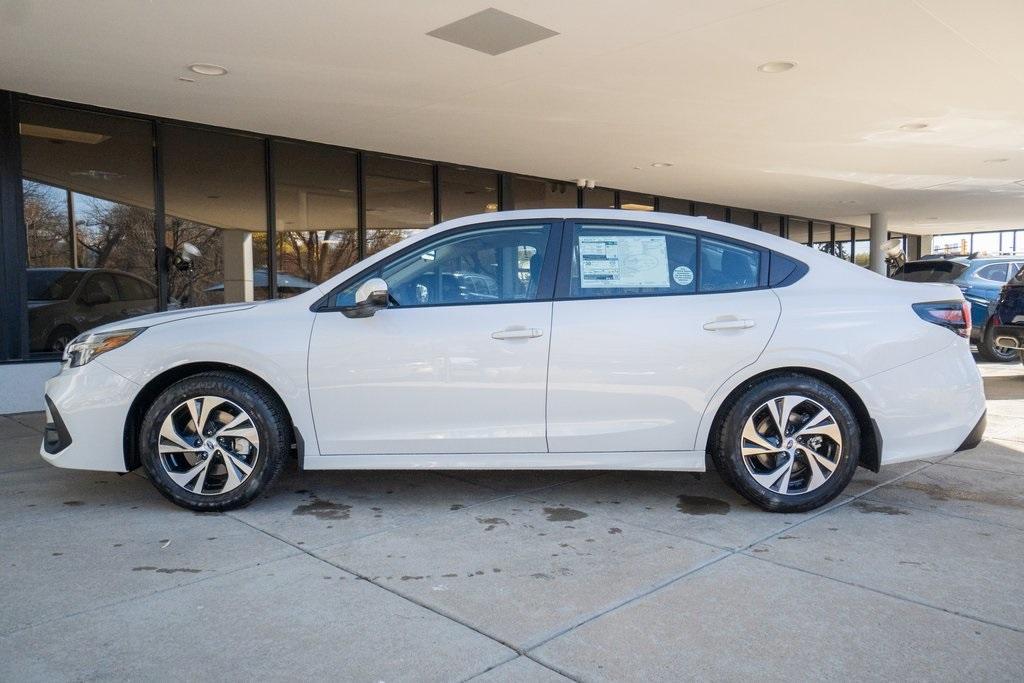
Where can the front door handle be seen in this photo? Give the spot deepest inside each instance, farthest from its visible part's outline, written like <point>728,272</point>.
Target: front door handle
<point>734,324</point>
<point>517,333</point>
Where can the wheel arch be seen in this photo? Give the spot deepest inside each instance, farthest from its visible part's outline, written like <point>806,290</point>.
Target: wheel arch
<point>145,397</point>
<point>870,437</point>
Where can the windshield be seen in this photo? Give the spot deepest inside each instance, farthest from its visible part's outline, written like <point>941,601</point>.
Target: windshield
<point>52,285</point>
<point>930,271</point>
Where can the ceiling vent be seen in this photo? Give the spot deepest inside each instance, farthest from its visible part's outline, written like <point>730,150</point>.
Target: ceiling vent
<point>492,32</point>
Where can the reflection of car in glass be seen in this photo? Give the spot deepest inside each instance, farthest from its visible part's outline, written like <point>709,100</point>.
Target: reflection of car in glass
<point>584,339</point>
<point>63,302</point>
<point>1008,315</point>
<point>980,279</point>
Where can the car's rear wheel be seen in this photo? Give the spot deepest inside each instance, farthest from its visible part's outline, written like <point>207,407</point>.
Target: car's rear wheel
<point>788,443</point>
<point>990,351</point>
<point>214,441</point>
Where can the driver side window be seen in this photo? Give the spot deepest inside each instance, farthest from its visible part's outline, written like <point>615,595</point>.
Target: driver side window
<point>487,265</point>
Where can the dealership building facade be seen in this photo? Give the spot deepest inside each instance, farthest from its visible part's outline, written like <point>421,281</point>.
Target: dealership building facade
<point>137,175</point>
<point>89,195</point>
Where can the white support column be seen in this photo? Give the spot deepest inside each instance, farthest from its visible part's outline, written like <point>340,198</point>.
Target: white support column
<point>879,234</point>
<point>926,245</point>
<point>237,265</point>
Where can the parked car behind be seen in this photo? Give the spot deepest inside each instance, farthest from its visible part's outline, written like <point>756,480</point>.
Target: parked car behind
<point>63,302</point>
<point>980,279</point>
<point>1008,315</point>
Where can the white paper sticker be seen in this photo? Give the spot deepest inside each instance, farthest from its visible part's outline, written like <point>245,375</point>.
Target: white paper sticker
<point>682,275</point>
<point>623,261</point>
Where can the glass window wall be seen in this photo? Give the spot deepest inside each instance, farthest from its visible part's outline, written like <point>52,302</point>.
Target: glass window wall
<point>399,199</point>
<point>535,193</point>
<point>87,186</point>
<point>316,210</point>
<point>214,194</point>
<point>466,191</point>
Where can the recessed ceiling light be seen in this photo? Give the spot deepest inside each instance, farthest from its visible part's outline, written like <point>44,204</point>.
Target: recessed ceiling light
<point>932,218</point>
<point>776,67</point>
<point>912,127</point>
<point>207,69</point>
<point>847,201</point>
<point>661,164</point>
<point>1000,160</point>
<point>186,79</point>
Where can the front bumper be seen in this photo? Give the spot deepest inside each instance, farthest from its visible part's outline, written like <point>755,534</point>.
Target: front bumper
<point>86,410</point>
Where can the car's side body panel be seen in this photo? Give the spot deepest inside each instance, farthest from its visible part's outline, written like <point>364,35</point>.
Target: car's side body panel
<point>430,380</point>
<point>634,374</point>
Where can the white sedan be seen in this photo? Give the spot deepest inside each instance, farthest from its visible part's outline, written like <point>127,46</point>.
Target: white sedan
<point>569,339</point>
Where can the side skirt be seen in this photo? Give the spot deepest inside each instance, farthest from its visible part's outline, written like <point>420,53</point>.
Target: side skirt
<point>679,461</point>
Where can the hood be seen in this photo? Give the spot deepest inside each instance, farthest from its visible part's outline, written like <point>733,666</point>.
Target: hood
<point>153,319</point>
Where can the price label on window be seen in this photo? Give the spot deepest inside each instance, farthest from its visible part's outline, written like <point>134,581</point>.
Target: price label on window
<point>623,261</point>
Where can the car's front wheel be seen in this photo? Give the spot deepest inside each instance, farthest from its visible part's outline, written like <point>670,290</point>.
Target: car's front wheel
<point>214,441</point>
<point>788,443</point>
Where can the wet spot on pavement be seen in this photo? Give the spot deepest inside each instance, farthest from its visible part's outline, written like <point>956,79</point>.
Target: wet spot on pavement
<point>944,493</point>
<point>456,507</point>
<point>701,505</point>
<point>563,514</point>
<point>323,509</point>
<point>615,530</point>
<point>492,522</point>
<point>74,503</point>
<point>166,570</point>
<point>867,508</point>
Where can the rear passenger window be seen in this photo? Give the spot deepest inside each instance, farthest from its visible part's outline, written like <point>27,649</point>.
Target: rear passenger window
<point>995,272</point>
<point>631,261</point>
<point>725,266</point>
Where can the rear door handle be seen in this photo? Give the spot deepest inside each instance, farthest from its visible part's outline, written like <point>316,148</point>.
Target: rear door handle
<point>517,333</point>
<point>741,324</point>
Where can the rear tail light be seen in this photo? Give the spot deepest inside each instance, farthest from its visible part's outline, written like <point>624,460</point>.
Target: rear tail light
<point>953,315</point>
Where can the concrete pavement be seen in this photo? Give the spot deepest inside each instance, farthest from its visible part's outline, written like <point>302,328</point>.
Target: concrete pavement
<point>510,576</point>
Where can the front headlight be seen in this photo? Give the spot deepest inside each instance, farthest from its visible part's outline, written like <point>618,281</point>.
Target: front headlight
<point>87,346</point>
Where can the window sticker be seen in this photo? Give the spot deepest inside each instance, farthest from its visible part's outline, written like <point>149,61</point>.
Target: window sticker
<point>682,275</point>
<point>623,261</point>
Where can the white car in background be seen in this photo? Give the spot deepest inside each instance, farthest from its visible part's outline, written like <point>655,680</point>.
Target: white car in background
<point>556,339</point>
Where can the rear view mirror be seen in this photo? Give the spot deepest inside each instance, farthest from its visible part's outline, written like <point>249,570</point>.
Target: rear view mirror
<point>371,296</point>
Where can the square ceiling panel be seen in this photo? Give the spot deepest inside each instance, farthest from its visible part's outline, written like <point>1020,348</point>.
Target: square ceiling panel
<point>492,32</point>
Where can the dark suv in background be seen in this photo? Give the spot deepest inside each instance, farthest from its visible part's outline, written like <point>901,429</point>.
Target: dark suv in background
<point>1007,319</point>
<point>980,279</point>
<point>63,302</point>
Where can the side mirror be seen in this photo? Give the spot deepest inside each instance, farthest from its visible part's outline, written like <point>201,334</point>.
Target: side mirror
<point>95,298</point>
<point>371,296</point>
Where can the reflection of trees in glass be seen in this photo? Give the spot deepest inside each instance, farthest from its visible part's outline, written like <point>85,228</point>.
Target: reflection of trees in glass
<point>116,236</point>
<point>316,255</point>
<point>188,288</point>
<point>837,249</point>
<point>46,224</point>
<point>380,239</point>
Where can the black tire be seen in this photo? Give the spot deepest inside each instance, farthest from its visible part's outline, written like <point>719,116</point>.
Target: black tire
<point>990,351</point>
<point>267,414</point>
<point>60,338</point>
<point>728,437</point>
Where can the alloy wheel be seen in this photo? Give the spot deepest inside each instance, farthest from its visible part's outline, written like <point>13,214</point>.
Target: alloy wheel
<point>208,445</point>
<point>791,445</point>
